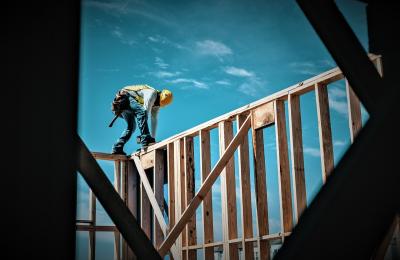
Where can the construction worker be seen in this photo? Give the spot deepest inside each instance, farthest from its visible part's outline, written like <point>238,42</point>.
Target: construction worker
<point>143,101</point>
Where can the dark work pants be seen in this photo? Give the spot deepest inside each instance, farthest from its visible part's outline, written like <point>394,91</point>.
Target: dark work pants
<point>135,112</point>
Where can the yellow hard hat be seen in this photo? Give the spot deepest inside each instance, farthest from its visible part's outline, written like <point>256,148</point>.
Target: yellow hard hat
<point>165,97</point>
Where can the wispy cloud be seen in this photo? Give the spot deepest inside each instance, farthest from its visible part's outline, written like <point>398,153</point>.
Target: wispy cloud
<point>165,74</point>
<point>161,63</point>
<point>337,100</point>
<point>311,68</point>
<point>312,151</point>
<point>252,84</point>
<point>193,83</point>
<point>165,41</point>
<point>213,48</point>
<point>124,38</point>
<point>239,72</point>
<point>142,10</point>
<point>340,143</point>
<point>223,82</point>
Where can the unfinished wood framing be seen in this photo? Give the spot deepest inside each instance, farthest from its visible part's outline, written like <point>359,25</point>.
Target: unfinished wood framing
<point>324,129</point>
<point>205,168</point>
<point>124,196</point>
<point>145,215</point>
<point>245,190</point>
<point>179,237</point>
<point>263,115</point>
<point>171,184</point>
<point>205,188</point>
<point>285,194</point>
<point>190,192</point>
<point>132,182</point>
<point>178,150</point>
<point>261,190</point>
<point>228,193</point>
<point>297,156</point>
<point>92,217</point>
<point>354,110</point>
<point>158,184</point>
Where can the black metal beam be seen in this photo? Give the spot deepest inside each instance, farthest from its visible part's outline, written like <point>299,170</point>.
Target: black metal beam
<point>114,206</point>
<point>350,215</point>
<point>345,49</point>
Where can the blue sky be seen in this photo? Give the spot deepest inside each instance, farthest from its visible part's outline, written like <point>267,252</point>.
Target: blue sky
<point>215,56</point>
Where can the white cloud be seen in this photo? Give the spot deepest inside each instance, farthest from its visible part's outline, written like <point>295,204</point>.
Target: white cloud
<point>312,151</point>
<point>336,93</point>
<point>340,143</point>
<point>193,82</point>
<point>165,74</point>
<point>337,100</point>
<point>214,48</point>
<point>239,72</point>
<point>125,39</point>
<point>143,11</point>
<point>338,106</point>
<point>252,86</point>
<point>163,40</point>
<point>223,82</point>
<point>160,63</point>
<point>311,68</point>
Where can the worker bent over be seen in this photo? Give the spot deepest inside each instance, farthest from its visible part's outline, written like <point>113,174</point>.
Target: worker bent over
<point>134,103</point>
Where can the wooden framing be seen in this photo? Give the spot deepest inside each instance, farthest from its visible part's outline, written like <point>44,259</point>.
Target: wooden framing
<point>324,129</point>
<point>283,167</point>
<point>208,226</point>
<point>132,191</point>
<point>245,192</point>
<point>296,149</point>
<point>190,191</point>
<point>158,186</point>
<point>261,190</point>
<point>354,110</point>
<point>178,235</point>
<point>228,193</point>
<point>92,217</point>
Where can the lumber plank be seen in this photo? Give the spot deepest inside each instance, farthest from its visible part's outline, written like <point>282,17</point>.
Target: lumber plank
<point>245,190</point>
<point>297,156</point>
<point>285,194</point>
<point>324,130</point>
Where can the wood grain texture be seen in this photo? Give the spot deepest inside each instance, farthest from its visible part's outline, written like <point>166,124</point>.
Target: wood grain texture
<point>245,190</point>
<point>297,156</point>
<point>205,168</point>
<point>285,193</point>
<point>261,189</point>
<point>325,132</point>
<point>228,193</point>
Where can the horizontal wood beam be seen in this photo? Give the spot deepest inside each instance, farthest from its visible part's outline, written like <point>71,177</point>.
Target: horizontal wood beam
<point>205,188</point>
<point>109,157</point>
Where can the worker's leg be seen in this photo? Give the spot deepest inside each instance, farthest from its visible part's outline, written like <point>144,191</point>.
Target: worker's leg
<point>129,117</point>
<point>142,118</point>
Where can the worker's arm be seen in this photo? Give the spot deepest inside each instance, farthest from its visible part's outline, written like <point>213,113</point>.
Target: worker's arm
<point>149,97</point>
<point>154,121</point>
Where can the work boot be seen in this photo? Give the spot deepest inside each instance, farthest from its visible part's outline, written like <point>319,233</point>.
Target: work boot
<point>118,151</point>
